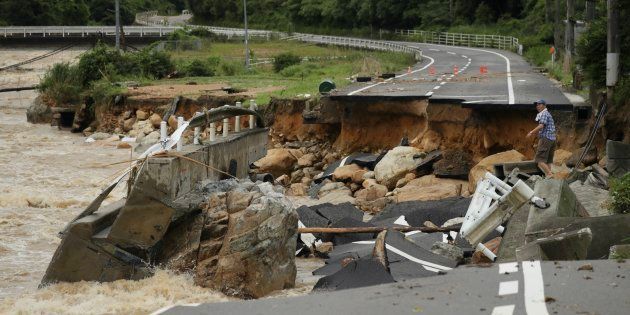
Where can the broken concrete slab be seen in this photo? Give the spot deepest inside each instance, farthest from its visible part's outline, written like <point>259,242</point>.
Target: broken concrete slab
<point>618,155</point>
<point>593,199</point>
<point>562,216</point>
<point>571,245</point>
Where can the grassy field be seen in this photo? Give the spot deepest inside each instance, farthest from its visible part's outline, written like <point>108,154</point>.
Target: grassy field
<point>319,63</point>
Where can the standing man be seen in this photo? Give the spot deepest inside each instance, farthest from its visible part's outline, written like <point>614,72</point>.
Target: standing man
<point>546,137</point>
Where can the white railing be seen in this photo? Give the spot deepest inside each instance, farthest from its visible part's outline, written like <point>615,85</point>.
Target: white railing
<point>359,43</point>
<point>460,39</point>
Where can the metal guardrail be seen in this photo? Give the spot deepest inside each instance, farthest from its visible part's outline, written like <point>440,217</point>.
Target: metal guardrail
<point>130,31</point>
<point>462,39</point>
<point>359,43</point>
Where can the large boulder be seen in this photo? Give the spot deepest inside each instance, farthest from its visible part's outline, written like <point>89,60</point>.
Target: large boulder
<point>248,241</point>
<point>430,188</point>
<point>589,158</point>
<point>396,164</point>
<point>38,112</point>
<point>277,162</point>
<point>345,173</point>
<point>487,165</point>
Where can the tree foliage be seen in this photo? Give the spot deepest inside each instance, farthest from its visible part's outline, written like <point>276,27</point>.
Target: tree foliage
<point>79,12</point>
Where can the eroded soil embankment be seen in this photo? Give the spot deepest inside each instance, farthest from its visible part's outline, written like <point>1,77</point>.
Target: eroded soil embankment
<point>366,126</point>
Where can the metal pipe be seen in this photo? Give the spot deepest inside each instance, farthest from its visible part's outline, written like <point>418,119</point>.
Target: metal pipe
<point>226,125</point>
<point>252,120</point>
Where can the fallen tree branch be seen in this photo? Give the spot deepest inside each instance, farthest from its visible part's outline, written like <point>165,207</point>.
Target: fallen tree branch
<point>375,229</point>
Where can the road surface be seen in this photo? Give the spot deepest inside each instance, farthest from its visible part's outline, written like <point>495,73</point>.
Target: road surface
<point>474,76</point>
<point>533,288</point>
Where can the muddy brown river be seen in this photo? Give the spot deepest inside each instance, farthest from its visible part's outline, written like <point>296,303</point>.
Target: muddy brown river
<point>48,177</point>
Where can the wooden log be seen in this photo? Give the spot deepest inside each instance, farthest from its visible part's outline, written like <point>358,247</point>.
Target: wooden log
<point>375,229</point>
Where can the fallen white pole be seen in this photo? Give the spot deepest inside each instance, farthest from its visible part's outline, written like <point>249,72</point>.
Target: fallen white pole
<point>163,131</point>
<point>196,138</point>
<point>180,142</point>
<point>252,120</point>
<point>237,119</point>
<point>226,125</point>
<point>213,132</point>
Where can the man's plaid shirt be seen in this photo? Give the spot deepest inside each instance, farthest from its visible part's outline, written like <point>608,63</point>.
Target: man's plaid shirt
<point>549,129</point>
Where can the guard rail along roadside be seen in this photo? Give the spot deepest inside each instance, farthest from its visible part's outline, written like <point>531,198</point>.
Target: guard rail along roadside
<point>358,43</point>
<point>130,31</point>
<point>460,39</point>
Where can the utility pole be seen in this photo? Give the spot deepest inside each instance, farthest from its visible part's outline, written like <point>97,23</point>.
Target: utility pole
<point>569,42</point>
<point>590,11</point>
<point>612,57</point>
<point>246,35</point>
<point>557,32</point>
<point>118,25</point>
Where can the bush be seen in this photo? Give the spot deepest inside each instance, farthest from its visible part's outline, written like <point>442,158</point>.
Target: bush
<point>620,193</point>
<point>298,70</point>
<point>199,68</point>
<point>231,68</point>
<point>61,84</point>
<point>285,60</point>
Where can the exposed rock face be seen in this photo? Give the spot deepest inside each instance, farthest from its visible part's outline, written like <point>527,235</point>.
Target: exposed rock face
<point>589,158</point>
<point>277,162</point>
<point>242,243</point>
<point>487,165</point>
<point>561,156</point>
<point>396,164</point>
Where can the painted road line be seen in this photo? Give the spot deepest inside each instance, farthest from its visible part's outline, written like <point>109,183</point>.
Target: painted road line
<point>442,83</point>
<point>429,93</point>
<point>503,310</point>
<point>507,66</point>
<point>483,101</point>
<point>464,56</point>
<point>508,287</point>
<point>534,290</point>
<point>511,267</point>
<point>433,49</point>
<point>426,264</point>
<point>436,87</point>
<point>390,79</point>
<point>451,53</point>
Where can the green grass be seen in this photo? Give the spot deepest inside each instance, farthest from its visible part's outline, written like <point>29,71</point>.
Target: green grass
<point>324,62</point>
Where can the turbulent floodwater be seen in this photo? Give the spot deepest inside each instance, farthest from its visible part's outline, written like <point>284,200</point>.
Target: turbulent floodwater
<point>48,177</point>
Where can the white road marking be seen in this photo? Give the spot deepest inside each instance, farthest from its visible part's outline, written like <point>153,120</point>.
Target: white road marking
<point>508,70</point>
<point>442,83</point>
<point>426,264</point>
<point>483,101</point>
<point>451,53</point>
<point>521,80</point>
<point>390,79</point>
<point>503,310</point>
<point>464,56</point>
<point>452,75</point>
<point>534,290</point>
<point>508,287</point>
<point>511,267</point>
<point>429,93</point>
<point>436,87</point>
<point>448,79</point>
<point>469,96</point>
<point>433,49</point>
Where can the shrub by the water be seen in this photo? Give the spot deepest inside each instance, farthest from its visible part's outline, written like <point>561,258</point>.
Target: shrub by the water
<point>285,60</point>
<point>61,84</point>
<point>620,193</point>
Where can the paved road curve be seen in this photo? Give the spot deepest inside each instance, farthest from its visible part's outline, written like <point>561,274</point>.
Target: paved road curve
<point>474,76</point>
<point>533,288</point>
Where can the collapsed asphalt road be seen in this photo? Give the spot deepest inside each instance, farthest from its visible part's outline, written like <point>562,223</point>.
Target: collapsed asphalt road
<point>534,288</point>
<point>450,73</point>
